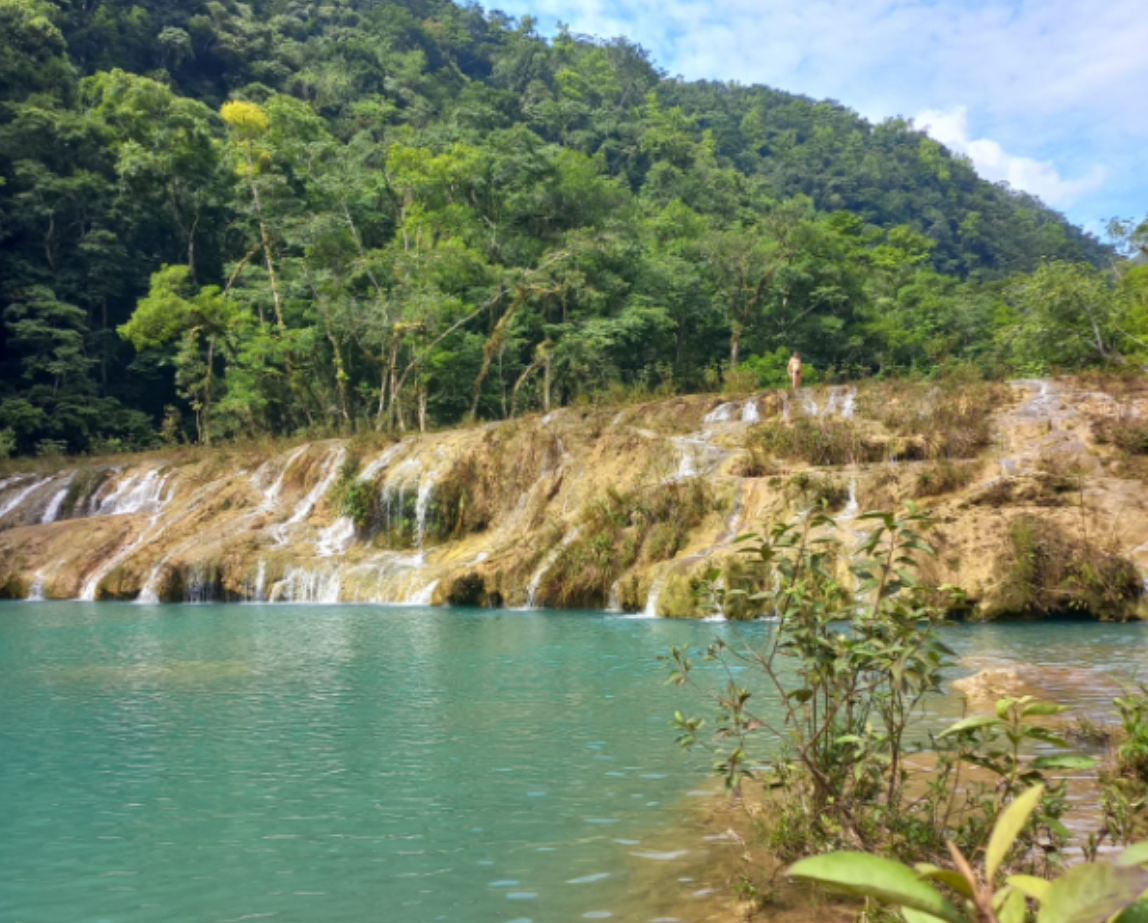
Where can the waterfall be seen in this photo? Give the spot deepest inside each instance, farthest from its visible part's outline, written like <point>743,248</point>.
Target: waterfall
<point>336,538</point>
<point>847,404</point>
<point>300,585</point>
<point>149,595</point>
<point>36,591</point>
<point>808,404</point>
<point>327,477</point>
<point>271,494</point>
<point>423,597</point>
<point>852,509</point>
<point>750,412</point>
<point>547,562</point>
<point>260,595</point>
<point>723,413</point>
<point>785,406</point>
<point>696,457</point>
<point>381,463</point>
<point>10,505</point>
<point>614,604</point>
<point>651,610</point>
<point>422,505</point>
<point>199,586</point>
<point>92,585</point>
<point>134,494</point>
<point>53,508</point>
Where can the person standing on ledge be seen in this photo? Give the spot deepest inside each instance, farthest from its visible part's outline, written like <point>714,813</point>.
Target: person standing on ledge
<point>795,372</point>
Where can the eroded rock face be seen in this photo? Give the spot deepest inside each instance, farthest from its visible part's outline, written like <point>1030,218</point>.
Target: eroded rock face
<point>620,510</point>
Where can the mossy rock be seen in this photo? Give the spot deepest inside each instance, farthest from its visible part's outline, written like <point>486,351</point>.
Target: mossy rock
<point>677,600</point>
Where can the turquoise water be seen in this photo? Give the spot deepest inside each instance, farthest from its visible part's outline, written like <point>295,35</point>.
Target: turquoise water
<point>225,763</point>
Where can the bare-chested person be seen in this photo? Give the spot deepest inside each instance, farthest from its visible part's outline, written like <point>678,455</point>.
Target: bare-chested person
<point>795,371</point>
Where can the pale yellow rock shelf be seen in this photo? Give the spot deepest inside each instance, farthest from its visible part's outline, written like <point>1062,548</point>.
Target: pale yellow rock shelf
<point>481,515</point>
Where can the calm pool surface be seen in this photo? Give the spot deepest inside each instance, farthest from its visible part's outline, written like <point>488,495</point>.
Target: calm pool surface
<point>225,763</point>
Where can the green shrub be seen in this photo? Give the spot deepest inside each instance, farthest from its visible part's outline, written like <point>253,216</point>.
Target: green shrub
<point>943,477</point>
<point>820,441</point>
<point>820,491</point>
<point>1047,572</point>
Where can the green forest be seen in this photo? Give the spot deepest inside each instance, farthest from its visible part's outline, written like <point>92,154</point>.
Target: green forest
<point>223,220</point>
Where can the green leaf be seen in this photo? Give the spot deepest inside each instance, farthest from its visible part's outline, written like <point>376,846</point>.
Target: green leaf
<point>1092,893</point>
<point>1010,906</point>
<point>1137,913</point>
<point>918,916</point>
<point>1041,709</point>
<point>1064,762</point>
<point>1008,828</point>
<point>1134,855</point>
<point>1030,886</point>
<point>950,877</point>
<point>968,724</point>
<point>882,879</point>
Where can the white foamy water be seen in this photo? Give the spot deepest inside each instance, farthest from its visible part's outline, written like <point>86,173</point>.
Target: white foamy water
<point>12,503</point>
<point>137,493</point>
<point>651,610</point>
<point>52,510</point>
<point>723,413</point>
<point>547,562</point>
<point>336,538</point>
<point>750,412</point>
<point>327,477</point>
<point>301,585</point>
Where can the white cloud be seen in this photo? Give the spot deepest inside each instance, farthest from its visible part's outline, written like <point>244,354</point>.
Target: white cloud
<point>993,162</point>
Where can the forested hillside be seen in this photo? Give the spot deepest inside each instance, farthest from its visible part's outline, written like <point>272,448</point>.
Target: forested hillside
<point>221,219</point>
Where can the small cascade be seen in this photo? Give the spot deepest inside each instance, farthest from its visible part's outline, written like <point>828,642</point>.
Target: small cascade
<point>852,508</point>
<point>808,404</point>
<point>327,477</point>
<point>651,609</point>
<point>52,510</point>
<point>199,585</point>
<point>785,406</point>
<point>422,506</point>
<point>91,586</point>
<point>423,597</point>
<point>381,463</point>
<point>36,591</point>
<point>848,403</point>
<point>259,595</point>
<point>153,529</point>
<point>393,502</point>
<point>336,538</point>
<point>723,413</point>
<point>300,585</point>
<point>271,494</point>
<point>614,604</point>
<point>135,494</point>
<point>21,495</point>
<point>750,412</point>
<point>149,595</point>
<point>547,562</point>
<point>697,456</point>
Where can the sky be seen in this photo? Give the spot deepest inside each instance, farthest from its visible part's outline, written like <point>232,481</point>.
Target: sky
<point>1050,96</point>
